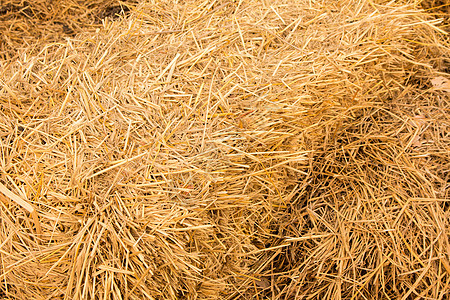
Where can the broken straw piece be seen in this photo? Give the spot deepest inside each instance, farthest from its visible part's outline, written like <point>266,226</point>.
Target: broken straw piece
<point>27,206</point>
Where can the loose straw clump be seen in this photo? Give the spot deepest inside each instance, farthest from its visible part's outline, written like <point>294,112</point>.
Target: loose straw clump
<point>229,150</point>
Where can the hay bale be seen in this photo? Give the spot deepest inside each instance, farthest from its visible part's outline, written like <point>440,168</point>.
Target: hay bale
<point>228,150</point>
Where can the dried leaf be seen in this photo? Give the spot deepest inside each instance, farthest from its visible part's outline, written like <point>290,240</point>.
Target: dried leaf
<point>441,83</point>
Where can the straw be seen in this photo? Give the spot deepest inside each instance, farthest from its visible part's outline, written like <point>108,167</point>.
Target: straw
<point>224,150</point>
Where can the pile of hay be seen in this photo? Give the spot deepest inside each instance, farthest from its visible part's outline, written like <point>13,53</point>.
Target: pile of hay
<point>287,149</point>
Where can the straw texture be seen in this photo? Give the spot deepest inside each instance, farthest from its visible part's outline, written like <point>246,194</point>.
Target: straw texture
<point>224,150</point>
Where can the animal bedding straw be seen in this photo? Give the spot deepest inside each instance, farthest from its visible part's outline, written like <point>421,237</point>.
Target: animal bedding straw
<point>223,150</point>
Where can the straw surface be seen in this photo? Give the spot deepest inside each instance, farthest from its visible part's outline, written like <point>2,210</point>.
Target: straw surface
<point>224,150</point>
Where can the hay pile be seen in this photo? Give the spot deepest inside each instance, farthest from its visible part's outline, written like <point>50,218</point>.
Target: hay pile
<point>225,150</point>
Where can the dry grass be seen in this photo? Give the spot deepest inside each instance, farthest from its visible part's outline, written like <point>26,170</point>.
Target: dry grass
<point>31,24</point>
<point>225,150</point>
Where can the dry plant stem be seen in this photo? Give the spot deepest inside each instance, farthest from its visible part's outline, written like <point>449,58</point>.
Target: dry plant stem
<point>24,204</point>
